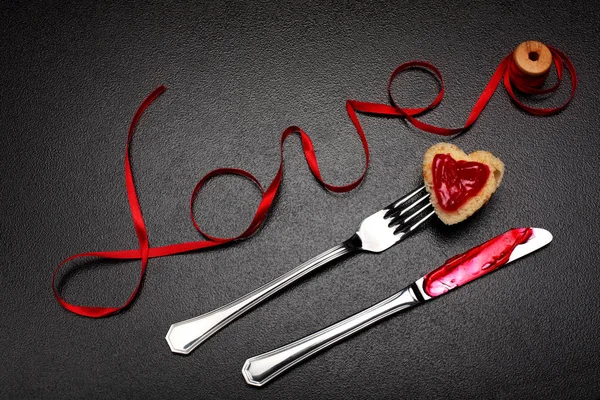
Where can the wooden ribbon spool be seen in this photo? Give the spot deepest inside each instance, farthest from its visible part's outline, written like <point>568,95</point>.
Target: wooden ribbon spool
<point>533,58</point>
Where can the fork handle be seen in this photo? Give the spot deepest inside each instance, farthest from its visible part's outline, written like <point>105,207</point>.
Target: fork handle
<point>185,336</point>
<point>260,369</point>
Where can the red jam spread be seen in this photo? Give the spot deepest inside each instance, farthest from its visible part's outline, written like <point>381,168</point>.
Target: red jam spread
<point>455,182</point>
<point>476,262</point>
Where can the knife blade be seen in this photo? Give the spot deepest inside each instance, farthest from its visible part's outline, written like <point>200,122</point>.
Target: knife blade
<point>455,272</point>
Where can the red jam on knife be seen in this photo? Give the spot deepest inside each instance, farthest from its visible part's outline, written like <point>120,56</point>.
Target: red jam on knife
<point>476,262</point>
<point>454,182</point>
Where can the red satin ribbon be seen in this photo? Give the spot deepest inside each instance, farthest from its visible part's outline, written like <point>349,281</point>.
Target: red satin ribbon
<point>506,70</point>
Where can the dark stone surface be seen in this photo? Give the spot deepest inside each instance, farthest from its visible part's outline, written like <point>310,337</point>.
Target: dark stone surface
<point>73,74</point>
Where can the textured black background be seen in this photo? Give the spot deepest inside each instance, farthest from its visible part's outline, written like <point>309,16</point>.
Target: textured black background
<point>73,74</point>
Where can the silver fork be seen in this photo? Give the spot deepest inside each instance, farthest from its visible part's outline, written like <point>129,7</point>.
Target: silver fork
<point>376,233</point>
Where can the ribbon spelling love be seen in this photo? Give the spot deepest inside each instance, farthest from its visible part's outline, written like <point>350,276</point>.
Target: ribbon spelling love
<point>507,71</point>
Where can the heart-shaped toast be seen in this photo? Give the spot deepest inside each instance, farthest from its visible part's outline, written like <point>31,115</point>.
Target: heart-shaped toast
<point>460,184</point>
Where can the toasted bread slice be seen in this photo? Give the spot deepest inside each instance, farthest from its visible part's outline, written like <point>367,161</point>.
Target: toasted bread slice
<point>474,203</point>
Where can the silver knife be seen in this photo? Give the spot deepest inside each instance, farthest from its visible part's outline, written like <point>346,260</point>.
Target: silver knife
<point>455,272</point>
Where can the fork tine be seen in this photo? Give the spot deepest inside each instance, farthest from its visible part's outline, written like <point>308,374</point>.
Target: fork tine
<point>401,222</point>
<point>398,216</point>
<point>392,224</point>
<point>392,208</point>
<point>405,230</point>
<point>397,213</point>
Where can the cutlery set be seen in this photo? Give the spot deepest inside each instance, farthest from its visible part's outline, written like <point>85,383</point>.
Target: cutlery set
<point>456,185</point>
<point>455,272</point>
<point>376,233</point>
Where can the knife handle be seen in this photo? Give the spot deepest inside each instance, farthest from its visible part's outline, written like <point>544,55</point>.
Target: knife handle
<point>260,369</point>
